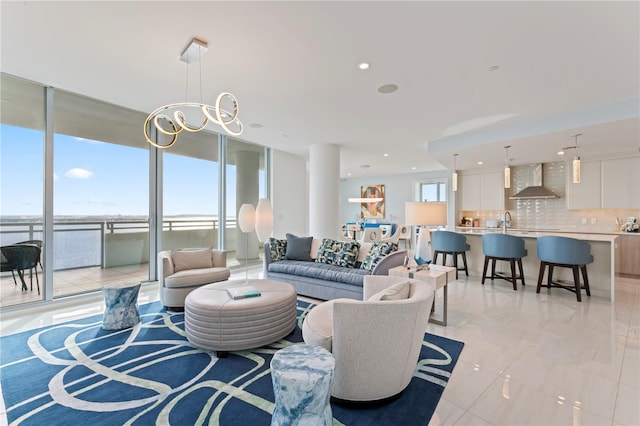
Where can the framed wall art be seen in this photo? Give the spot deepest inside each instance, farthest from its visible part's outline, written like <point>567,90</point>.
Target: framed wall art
<point>373,209</point>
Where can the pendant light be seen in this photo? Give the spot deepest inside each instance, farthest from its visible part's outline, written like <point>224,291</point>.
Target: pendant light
<point>576,162</point>
<point>454,176</point>
<point>507,169</point>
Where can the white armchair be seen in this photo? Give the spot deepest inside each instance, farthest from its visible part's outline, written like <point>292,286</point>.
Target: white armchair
<point>376,342</point>
<point>181,271</point>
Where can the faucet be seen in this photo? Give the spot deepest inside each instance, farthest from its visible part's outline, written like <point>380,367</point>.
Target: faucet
<point>504,221</point>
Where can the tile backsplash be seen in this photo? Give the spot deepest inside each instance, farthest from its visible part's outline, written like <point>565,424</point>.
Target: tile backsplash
<point>551,214</point>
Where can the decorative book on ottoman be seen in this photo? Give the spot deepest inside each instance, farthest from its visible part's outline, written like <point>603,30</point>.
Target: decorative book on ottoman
<point>243,292</point>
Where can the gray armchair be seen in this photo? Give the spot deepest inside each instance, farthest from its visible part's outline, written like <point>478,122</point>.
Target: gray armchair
<point>181,271</point>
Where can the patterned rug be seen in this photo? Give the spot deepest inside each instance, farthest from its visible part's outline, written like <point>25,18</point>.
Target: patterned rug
<point>78,373</point>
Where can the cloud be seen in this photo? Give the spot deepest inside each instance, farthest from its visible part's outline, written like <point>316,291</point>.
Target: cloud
<point>78,173</point>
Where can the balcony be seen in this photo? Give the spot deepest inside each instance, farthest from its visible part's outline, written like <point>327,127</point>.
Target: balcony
<point>88,254</point>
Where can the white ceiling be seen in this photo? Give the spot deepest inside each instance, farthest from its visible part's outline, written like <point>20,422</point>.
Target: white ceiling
<point>564,68</point>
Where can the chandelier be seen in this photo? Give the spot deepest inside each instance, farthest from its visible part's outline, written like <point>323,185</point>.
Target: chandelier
<point>171,119</point>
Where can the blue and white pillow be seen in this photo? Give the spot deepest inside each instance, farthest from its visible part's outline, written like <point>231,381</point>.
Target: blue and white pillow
<point>341,253</point>
<point>378,250</point>
<point>277,249</point>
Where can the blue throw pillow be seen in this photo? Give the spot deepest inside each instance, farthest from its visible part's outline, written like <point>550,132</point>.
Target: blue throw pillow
<point>298,248</point>
<point>378,250</point>
<point>277,249</point>
<point>341,253</point>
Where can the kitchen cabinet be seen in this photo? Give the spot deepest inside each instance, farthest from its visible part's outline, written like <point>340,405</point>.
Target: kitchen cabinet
<point>483,191</point>
<point>627,254</point>
<point>620,188</point>
<point>588,193</point>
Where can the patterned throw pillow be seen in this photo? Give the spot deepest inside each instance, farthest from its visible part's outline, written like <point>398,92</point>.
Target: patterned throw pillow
<point>341,253</point>
<point>378,250</point>
<point>277,248</point>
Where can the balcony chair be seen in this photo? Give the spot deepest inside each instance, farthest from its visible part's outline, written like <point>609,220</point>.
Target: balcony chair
<point>503,247</point>
<point>447,242</point>
<point>181,271</point>
<point>35,243</point>
<point>373,363</point>
<point>6,266</point>
<point>23,257</point>
<point>564,252</point>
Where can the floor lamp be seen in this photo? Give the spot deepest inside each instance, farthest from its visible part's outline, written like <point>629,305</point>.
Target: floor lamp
<point>260,219</point>
<point>423,214</point>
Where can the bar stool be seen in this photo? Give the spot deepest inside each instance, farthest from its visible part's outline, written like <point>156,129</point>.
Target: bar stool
<point>566,253</point>
<point>447,242</point>
<point>503,247</point>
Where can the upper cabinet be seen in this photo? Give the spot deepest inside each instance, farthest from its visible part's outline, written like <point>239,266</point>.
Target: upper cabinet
<point>621,183</point>
<point>586,194</point>
<point>482,191</point>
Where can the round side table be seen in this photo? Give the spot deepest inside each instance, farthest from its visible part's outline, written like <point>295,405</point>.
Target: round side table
<point>121,309</point>
<point>302,376</point>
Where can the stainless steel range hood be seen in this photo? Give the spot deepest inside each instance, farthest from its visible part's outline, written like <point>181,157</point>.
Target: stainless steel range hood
<point>534,190</point>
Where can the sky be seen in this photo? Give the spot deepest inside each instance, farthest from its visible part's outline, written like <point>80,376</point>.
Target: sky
<point>98,178</point>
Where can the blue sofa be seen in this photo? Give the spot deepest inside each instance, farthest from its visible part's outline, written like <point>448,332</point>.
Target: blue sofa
<point>324,281</point>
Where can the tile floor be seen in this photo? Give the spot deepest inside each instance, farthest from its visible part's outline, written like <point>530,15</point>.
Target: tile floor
<point>528,359</point>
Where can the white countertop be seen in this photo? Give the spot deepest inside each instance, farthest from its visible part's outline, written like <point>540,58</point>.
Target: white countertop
<point>535,234</point>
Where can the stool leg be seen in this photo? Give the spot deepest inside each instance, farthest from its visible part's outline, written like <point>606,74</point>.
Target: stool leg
<point>576,279</point>
<point>444,259</point>
<point>493,268</point>
<point>484,270</point>
<point>540,276</point>
<point>464,261</point>
<point>512,262</point>
<point>585,278</point>
<point>435,257</point>
<point>521,270</point>
<point>550,276</point>
<point>455,263</point>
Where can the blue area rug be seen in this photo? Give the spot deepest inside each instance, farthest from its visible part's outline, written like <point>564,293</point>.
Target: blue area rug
<point>78,373</point>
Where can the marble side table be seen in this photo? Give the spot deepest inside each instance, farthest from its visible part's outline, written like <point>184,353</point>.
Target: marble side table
<point>121,306</point>
<point>302,376</point>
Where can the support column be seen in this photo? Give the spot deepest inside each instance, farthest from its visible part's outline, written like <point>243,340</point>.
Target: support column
<point>324,191</point>
<point>247,191</point>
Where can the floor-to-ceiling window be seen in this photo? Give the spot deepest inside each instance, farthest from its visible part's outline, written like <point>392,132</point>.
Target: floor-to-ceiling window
<point>100,195</point>
<point>21,177</point>
<point>81,179</point>
<point>190,193</point>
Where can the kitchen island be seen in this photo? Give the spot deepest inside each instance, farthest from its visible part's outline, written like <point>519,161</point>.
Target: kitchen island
<point>601,272</point>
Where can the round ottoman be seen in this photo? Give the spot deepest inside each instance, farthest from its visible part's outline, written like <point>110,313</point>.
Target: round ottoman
<point>214,321</point>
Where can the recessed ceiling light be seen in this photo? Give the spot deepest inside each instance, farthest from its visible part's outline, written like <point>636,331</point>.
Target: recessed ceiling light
<point>480,163</point>
<point>385,154</point>
<point>348,174</point>
<point>387,88</point>
<point>413,168</point>
<point>255,125</point>
<point>364,65</point>
<point>561,152</point>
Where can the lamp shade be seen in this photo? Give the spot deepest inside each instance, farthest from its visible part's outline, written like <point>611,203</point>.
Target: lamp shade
<point>264,219</point>
<point>247,218</point>
<point>425,213</point>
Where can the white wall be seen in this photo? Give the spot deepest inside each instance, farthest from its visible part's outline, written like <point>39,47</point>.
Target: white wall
<point>289,194</point>
<point>398,190</point>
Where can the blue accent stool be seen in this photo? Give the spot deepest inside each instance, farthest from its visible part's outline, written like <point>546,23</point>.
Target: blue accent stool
<point>447,242</point>
<point>503,247</point>
<point>121,309</point>
<point>302,376</point>
<point>564,252</point>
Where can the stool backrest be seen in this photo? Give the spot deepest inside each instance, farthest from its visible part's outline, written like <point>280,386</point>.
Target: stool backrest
<point>564,250</point>
<point>503,245</point>
<point>447,241</point>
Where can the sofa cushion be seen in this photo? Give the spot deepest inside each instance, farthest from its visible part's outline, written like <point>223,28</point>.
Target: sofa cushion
<point>277,249</point>
<point>341,253</point>
<point>397,291</point>
<point>298,248</point>
<point>317,328</point>
<point>378,250</point>
<point>191,259</point>
<point>320,271</point>
<point>196,277</point>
